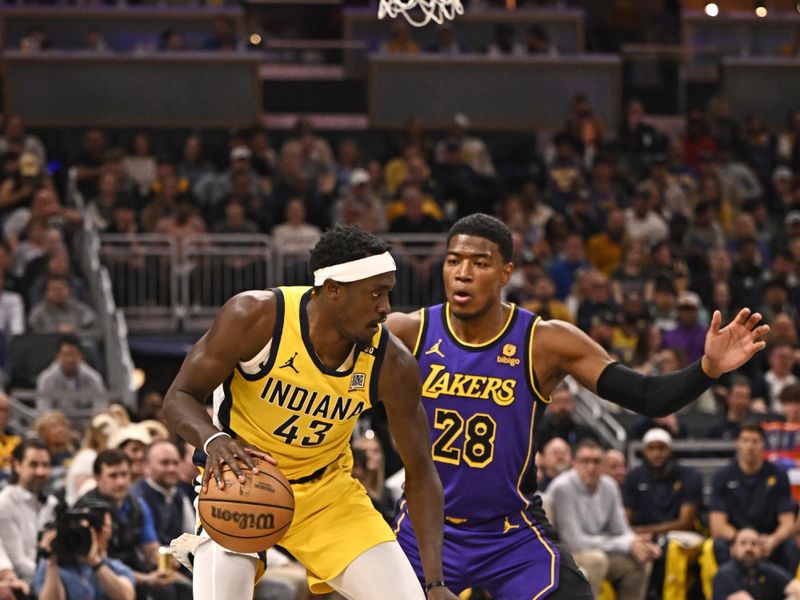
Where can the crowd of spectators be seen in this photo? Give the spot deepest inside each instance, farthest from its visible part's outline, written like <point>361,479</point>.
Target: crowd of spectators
<point>636,236</point>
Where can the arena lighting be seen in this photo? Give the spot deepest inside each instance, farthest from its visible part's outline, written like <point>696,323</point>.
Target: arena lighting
<point>255,39</point>
<point>761,10</point>
<point>712,9</point>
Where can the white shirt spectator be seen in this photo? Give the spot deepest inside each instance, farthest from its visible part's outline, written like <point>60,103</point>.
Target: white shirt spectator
<point>12,313</point>
<point>5,562</point>
<point>651,228</point>
<point>22,515</point>
<point>79,478</point>
<point>775,384</point>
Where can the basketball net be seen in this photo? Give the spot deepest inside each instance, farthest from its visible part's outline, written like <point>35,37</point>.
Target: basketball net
<point>421,12</point>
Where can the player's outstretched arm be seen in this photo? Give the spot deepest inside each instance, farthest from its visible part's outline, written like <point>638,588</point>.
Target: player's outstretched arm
<point>399,388</point>
<point>242,328</point>
<point>560,349</point>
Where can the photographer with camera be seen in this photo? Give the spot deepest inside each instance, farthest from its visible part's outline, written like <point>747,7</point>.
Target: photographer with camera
<point>134,540</point>
<point>74,563</point>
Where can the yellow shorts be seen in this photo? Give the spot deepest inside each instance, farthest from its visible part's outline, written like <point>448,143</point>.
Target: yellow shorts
<point>334,522</point>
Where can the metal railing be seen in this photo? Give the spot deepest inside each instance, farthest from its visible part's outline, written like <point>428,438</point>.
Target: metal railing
<point>142,271</point>
<point>165,283</point>
<point>118,362</point>
<point>27,406</point>
<point>593,411</point>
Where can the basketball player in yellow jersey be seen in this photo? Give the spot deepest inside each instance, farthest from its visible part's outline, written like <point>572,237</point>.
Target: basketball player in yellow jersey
<point>291,369</point>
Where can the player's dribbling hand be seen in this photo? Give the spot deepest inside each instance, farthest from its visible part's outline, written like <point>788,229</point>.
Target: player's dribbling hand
<point>441,593</point>
<point>225,450</point>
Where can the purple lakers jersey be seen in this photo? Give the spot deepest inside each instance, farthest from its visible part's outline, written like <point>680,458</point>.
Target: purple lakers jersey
<point>483,405</point>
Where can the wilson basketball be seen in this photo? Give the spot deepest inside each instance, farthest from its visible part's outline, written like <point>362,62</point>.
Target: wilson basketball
<point>248,517</point>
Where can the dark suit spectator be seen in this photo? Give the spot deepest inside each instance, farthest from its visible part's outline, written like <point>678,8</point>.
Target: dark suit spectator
<point>747,576</point>
<point>662,496</point>
<point>739,408</point>
<point>172,510</point>
<point>751,492</point>
<point>559,420</point>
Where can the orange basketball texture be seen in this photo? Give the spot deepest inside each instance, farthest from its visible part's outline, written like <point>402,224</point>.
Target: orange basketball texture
<point>248,517</point>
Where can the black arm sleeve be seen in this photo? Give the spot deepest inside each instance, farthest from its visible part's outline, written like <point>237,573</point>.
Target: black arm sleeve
<point>652,396</point>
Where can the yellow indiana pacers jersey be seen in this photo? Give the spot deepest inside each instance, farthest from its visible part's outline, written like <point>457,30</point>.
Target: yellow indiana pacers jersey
<point>287,402</point>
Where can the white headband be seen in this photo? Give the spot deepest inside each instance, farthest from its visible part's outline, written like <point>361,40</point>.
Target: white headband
<point>356,270</point>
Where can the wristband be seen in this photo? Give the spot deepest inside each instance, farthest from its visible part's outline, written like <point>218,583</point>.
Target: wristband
<point>434,584</point>
<point>212,438</point>
<point>97,566</point>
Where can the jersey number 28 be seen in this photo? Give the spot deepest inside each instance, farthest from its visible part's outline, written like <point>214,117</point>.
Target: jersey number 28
<point>478,446</point>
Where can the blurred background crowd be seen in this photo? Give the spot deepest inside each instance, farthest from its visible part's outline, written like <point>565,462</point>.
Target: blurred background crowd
<point>635,232</point>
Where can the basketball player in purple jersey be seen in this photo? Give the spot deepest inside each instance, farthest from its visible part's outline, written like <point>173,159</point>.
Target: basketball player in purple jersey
<point>488,368</point>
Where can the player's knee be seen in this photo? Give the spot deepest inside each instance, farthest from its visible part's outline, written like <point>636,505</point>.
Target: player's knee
<point>220,573</point>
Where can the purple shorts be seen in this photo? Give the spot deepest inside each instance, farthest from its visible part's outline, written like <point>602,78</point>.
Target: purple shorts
<point>510,558</point>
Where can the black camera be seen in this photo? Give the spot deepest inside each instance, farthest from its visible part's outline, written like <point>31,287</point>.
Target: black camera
<point>73,537</point>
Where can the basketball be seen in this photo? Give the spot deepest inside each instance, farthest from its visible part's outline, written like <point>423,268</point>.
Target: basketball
<point>248,517</point>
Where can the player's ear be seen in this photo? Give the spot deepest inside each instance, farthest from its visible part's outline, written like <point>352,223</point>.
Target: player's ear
<point>508,270</point>
<point>331,288</point>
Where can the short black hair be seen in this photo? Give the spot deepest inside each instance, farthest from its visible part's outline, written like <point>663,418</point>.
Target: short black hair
<point>69,339</point>
<point>740,381</point>
<point>588,443</point>
<point>18,453</point>
<point>790,393</point>
<point>342,244</point>
<point>752,424</point>
<point>20,449</point>
<point>487,227</point>
<point>111,457</point>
